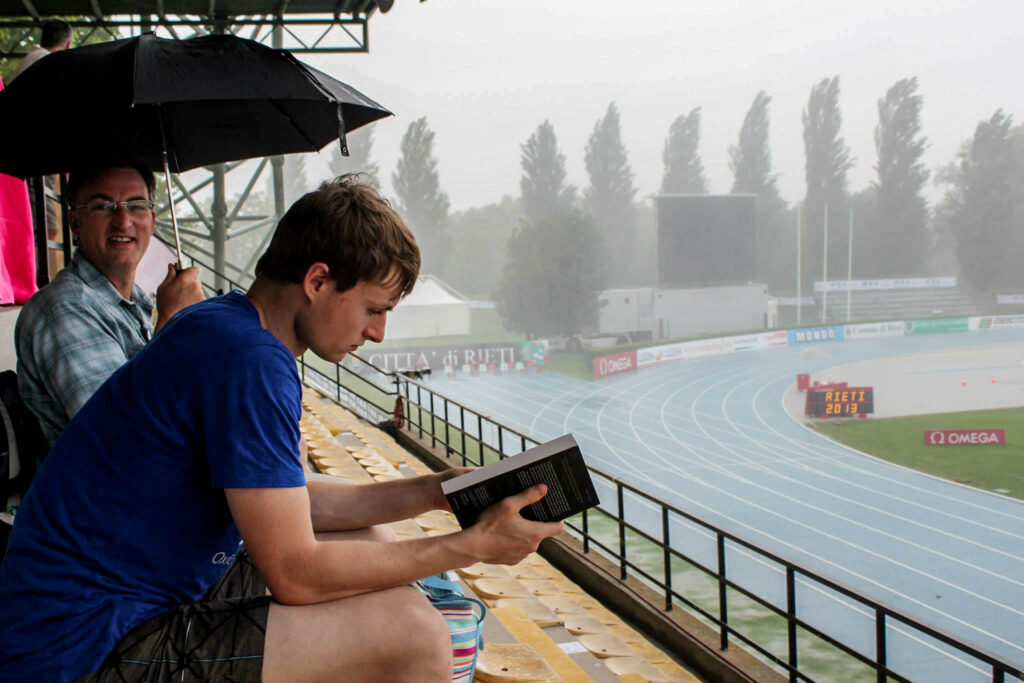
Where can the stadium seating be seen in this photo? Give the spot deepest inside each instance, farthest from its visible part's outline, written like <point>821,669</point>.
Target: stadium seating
<point>541,626</point>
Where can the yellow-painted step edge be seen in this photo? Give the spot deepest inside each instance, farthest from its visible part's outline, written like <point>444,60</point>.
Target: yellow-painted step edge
<point>527,632</point>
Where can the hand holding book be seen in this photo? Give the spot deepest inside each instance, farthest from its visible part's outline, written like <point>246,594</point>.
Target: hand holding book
<point>558,464</point>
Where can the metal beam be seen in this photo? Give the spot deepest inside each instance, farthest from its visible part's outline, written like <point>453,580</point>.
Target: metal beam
<point>31,9</point>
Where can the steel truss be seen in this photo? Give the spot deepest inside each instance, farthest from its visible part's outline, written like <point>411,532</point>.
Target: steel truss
<point>210,232</point>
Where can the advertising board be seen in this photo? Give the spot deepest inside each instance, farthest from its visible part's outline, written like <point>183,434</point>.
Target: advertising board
<point>964,437</point>
<point>615,363</point>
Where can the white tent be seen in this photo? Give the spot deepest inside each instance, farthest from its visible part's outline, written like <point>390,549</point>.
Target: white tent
<point>432,310</point>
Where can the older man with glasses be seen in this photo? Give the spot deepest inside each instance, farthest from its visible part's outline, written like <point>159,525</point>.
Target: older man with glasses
<point>76,331</point>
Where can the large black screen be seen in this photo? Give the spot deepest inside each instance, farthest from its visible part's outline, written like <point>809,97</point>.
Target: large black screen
<point>706,239</point>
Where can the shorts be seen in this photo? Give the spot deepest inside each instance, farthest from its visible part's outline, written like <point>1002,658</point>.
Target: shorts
<point>221,637</point>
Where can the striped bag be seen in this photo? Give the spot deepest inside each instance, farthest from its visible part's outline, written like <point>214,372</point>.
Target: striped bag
<point>465,625</point>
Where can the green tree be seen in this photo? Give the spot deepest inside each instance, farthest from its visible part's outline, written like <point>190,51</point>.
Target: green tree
<point>543,184</point>
<point>750,161</point>
<point>360,146</point>
<point>827,161</point>
<point>899,238</point>
<point>479,236</point>
<point>684,172</point>
<point>420,200</point>
<point>609,198</point>
<point>552,273</point>
<point>983,207</point>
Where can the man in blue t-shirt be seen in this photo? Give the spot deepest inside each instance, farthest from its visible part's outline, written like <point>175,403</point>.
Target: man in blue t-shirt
<point>192,448</point>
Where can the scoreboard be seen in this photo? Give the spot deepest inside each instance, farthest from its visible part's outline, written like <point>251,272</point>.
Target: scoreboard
<point>839,402</point>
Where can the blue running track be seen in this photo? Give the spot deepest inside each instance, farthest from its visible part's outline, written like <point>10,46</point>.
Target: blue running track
<point>712,436</point>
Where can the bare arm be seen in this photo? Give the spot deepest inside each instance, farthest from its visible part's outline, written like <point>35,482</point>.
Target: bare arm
<point>278,531</point>
<point>178,290</point>
<point>338,506</point>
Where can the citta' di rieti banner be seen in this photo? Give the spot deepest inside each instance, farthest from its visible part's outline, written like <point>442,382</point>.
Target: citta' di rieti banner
<point>533,352</point>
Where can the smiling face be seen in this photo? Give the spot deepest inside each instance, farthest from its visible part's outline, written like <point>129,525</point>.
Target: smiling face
<point>113,243</point>
<point>336,323</point>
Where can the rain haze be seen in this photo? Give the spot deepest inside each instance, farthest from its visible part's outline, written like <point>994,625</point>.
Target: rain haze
<point>486,74</point>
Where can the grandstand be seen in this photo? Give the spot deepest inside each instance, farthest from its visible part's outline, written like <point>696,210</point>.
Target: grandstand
<point>541,626</point>
<point>894,304</point>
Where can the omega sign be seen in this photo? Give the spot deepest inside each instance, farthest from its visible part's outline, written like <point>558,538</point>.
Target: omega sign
<point>964,437</point>
<point>609,365</point>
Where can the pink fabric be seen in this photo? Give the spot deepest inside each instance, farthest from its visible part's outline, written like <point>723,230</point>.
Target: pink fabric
<point>17,249</point>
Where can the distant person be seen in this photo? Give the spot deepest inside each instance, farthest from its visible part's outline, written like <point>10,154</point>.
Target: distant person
<point>56,36</point>
<point>77,330</point>
<point>192,447</point>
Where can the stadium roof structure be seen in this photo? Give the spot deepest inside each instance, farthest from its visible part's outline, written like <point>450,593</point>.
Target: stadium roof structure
<point>303,25</point>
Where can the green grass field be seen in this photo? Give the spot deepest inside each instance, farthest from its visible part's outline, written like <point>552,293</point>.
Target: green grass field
<point>998,468</point>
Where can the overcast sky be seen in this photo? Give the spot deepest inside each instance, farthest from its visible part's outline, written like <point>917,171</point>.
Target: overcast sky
<point>486,73</point>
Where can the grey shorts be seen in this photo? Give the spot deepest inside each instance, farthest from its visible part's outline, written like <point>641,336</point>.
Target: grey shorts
<point>218,638</point>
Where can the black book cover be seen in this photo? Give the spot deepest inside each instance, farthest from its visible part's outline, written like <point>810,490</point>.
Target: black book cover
<point>557,463</point>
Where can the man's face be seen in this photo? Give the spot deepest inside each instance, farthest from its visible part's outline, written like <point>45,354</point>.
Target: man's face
<point>114,242</point>
<point>340,322</point>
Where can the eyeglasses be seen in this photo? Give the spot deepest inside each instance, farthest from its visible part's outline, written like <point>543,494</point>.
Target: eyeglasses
<point>106,208</point>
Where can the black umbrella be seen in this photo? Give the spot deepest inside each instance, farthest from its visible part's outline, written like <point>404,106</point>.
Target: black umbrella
<point>180,104</point>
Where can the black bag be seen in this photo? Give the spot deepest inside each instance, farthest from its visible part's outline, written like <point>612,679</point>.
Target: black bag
<point>22,447</point>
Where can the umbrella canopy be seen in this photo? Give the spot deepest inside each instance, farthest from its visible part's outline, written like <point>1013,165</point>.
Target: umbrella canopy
<point>204,100</point>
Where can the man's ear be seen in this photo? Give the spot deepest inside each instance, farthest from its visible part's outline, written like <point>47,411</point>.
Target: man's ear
<point>73,225</point>
<point>317,277</point>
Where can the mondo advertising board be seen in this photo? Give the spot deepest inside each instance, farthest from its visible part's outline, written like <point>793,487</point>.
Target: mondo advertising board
<point>964,437</point>
<point>814,335</point>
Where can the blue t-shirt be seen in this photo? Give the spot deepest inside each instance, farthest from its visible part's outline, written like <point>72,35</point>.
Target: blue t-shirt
<point>127,517</point>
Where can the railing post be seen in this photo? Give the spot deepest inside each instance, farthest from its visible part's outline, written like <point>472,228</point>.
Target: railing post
<point>337,380</point>
<point>791,626</point>
<point>586,534</point>
<point>480,436</point>
<point>501,446</point>
<point>622,532</point>
<point>433,427</point>
<point>880,649</point>
<point>419,409</point>
<point>668,558</point>
<point>462,430</point>
<point>408,406</point>
<point>447,432</point>
<point>723,606</point>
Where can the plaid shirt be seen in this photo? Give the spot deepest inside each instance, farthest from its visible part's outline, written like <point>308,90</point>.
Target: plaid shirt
<point>71,336</point>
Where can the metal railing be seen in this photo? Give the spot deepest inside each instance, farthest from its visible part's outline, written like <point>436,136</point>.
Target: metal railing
<point>476,439</point>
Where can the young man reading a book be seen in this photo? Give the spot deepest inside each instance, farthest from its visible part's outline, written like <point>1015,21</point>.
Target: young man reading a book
<point>192,448</point>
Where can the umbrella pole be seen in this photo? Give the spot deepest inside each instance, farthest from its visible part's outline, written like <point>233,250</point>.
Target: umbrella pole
<point>174,218</point>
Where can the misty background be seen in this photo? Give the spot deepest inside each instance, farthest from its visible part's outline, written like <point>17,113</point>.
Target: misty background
<point>530,138</point>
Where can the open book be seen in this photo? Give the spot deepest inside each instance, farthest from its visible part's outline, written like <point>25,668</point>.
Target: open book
<point>558,464</point>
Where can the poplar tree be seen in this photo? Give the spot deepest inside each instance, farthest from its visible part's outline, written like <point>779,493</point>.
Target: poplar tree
<point>898,243</point>
<point>750,161</point>
<point>553,273</point>
<point>419,197</point>
<point>827,161</point>
<point>609,198</point>
<point>684,172</point>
